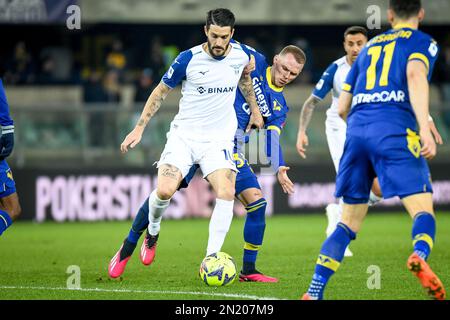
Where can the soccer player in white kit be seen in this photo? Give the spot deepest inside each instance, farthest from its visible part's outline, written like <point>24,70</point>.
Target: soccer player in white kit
<point>201,133</point>
<point>355,38</point>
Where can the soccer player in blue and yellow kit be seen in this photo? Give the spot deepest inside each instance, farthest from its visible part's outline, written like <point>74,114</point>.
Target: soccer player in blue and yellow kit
<point>388,92</point>
<point>9,200</point>
<point>268,83</point>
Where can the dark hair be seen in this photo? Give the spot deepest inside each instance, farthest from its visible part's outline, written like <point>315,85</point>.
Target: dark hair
<point>355,30</point>
<point>298,53</point>
<point>220,17</point>
<point>405,8</point>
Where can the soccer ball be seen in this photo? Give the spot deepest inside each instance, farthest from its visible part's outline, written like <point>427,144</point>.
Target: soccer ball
<point>218,269</point>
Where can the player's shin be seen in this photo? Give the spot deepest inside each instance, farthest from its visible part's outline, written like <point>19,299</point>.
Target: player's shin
<point>156,210</point>
<point>5,221</point>
<point>140,223</point>
<point>219,225</point>
<point>254,227</point>
<point>423,233</point>
<point>330,257</point>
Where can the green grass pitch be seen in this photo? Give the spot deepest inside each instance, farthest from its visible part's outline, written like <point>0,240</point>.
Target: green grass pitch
<point>34,259</point>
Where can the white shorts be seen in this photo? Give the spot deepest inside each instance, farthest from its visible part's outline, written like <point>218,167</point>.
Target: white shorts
<point>336,130</point>
<point>183,152</point>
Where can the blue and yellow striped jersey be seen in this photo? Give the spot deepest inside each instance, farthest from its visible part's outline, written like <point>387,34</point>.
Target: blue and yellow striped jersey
<point>378,79</point>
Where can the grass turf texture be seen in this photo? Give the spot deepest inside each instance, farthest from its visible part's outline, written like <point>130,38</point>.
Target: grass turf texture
<point>35,258</point>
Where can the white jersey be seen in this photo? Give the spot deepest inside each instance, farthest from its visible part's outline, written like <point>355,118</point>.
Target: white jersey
<point>332,79</point>
<point>209,85</point>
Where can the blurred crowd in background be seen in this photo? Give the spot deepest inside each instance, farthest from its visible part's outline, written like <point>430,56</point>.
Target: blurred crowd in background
<point>102,62</point>
<point>102,59</point>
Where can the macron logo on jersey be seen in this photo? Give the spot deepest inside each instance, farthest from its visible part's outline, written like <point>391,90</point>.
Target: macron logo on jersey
<point>319,84</point>
<point>203,90</point>
<point>433,50</point>
<point>170,73</point>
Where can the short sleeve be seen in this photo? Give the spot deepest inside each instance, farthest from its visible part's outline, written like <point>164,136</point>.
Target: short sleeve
<point>425,50</point>
<point>247,49</point>
<point>352,76</point>
<point>177,71</point>
<point>325,83</point>
<point>277,124</point>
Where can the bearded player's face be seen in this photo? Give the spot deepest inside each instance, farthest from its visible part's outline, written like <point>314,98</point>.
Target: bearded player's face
<point>218,39</point>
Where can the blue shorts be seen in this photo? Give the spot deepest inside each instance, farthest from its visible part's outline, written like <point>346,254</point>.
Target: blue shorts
<point>7,184</point>
<point>388,152</point>
<point>245,178</point>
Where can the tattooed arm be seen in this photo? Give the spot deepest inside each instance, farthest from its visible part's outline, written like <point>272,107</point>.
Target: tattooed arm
<point>151,106</point>
<point>246,87</point>
<point>305,118</point>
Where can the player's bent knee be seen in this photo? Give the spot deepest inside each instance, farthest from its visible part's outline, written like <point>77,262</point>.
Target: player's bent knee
<point>165,192</point>
<point>250,195</point>
<point>225,193</point>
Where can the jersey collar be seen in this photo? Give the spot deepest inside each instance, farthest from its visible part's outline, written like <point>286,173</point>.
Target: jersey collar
<point>403,25</point>
<point>269,81</point>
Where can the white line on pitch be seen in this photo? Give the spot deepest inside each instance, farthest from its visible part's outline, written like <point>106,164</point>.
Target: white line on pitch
<point>227,295</point>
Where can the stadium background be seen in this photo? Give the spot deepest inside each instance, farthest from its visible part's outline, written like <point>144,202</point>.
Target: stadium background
<point>74,94</point>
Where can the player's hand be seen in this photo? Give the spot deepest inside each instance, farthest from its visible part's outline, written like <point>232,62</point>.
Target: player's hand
<point>250,66</point>
<point>285,182</point>
<point>256,122</point>
<point>6,145</point>
<point>131,140</point>
<point>302,143</point>
<point>435,133</point>
<point>428,144</point>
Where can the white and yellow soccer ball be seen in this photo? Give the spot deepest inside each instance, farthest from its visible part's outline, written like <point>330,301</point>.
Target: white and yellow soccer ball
<point>218,269</point>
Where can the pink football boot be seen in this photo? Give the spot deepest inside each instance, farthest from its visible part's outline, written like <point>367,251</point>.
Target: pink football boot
<point>116,266</point>
<point>148,249</point>
<point>256,277</point>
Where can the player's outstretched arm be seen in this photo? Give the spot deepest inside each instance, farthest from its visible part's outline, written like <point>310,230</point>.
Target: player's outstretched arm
<point>418,88</point>
<point>344,104</point>
<point>246,87</point>
<point>286,184</point>
<point>152,105</point>
<point>304,120</point>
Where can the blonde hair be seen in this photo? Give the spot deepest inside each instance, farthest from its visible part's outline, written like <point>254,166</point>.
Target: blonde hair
<point>298,53</point>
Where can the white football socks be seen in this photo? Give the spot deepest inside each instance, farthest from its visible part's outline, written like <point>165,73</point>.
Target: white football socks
<point>156,208</point>
<point>219,225</point>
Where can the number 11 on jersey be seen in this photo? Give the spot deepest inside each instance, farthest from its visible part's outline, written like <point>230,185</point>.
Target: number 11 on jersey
<point>375,53</point>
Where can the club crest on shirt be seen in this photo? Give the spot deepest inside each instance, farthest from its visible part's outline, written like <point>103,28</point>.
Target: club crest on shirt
<point>236,67</point>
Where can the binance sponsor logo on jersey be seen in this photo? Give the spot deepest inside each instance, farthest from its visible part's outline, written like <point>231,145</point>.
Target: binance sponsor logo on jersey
<point>203,90</point>
<point>260,97</point>
<point>377,97</point>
